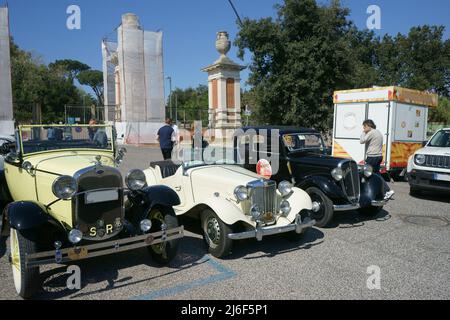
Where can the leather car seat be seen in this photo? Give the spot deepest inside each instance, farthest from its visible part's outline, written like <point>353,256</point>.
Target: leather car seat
<point>168,168</point>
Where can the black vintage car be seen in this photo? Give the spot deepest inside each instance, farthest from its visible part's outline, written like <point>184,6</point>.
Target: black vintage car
<point>335,184</point>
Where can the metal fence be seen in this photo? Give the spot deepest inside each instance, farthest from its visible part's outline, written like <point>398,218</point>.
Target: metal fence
<point>83,114</point>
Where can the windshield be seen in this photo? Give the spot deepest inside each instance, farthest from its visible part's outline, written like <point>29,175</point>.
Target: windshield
<point>36,139</point>
<point>212,156</point>
<point>440,139</point>
<point>301,141</point>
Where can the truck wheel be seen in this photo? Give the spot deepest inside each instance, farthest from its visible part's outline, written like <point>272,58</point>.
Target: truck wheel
<point>215,233</point>
<point>163,253</point>
<point>26,279</point>
<point>325,213</point>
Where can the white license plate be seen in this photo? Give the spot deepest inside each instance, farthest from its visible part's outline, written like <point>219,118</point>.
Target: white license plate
<point>442,177</point>
<point>102,196</point>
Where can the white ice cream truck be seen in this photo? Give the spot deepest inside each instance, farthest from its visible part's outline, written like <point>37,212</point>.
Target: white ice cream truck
<point>400,114</point>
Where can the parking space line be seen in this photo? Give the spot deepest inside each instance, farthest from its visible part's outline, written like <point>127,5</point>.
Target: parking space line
<point>224,274</point>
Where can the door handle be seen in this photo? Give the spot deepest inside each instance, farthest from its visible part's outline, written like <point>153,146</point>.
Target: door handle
<point>178,188</point>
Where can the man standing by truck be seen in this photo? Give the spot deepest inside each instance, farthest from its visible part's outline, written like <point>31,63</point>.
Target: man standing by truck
<point>373,139</point>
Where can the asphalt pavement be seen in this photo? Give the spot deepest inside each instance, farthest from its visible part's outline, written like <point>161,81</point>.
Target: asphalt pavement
<point>408,243</point>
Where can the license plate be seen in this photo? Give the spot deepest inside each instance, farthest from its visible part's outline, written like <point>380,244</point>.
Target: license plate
<point>441,177</point>
<point>102,196</point>
<point>77,253</point>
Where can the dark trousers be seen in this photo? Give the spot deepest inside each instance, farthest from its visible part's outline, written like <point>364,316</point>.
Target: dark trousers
<point>375,162</point>
<point>167,154</point>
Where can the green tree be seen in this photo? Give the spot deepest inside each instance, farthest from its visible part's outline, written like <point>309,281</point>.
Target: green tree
<point>442,112</point>
<point>298,61</point>
<point>69,69</point>
<point>93,79</point>
<point>191,104</point>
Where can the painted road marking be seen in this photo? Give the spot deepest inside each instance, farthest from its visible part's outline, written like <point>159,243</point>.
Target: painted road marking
<point>224,274</point>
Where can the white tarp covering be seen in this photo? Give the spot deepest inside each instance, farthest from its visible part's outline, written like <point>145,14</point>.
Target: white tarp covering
<point>6,110</point>
<point>109,52</point>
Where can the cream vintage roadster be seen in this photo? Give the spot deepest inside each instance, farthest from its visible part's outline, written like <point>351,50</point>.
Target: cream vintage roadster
<point>233,203</point>
<point>64,200</point>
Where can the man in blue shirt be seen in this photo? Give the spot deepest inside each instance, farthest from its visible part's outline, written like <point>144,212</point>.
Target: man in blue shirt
<point>165,139</point>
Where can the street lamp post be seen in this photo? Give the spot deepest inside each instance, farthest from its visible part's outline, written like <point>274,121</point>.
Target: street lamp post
<point>170,94</point>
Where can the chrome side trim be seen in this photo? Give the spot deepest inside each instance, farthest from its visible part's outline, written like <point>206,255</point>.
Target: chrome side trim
<point>346,207</point>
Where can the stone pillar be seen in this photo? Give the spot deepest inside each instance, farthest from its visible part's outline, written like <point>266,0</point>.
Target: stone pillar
<point>224,89</point>
<point>6,107</point>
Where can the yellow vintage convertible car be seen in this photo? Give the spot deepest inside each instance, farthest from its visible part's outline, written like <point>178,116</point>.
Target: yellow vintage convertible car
<point>64,200</point>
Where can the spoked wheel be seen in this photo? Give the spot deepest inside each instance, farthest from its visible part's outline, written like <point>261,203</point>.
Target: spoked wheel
<point>26,279</point>
<point>215,233</point>
<point>163,252</point>
<point>325,213</point>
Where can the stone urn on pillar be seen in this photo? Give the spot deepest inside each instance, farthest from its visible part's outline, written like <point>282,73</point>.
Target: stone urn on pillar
<point>223,43</point>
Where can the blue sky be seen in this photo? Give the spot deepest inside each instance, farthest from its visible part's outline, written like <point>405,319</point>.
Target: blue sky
<point>189,27</point>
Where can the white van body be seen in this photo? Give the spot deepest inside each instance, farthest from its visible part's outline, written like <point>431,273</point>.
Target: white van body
<point>400,114</point>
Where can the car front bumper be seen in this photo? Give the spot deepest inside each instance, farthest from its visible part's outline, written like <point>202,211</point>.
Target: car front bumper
<point>428,180</point>
<point>102,248</point>
<point>261,232</point>
<point>356,206</point>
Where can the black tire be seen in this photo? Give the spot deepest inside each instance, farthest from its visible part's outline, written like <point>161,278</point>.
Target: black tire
<point>163,253</point>
<point>326,211</point>
<point>415,192</point>
<point>215,234</point>
<point>26,279</point>
<point>370,211</point>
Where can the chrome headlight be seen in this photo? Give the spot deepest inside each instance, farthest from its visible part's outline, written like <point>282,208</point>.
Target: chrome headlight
<point>135,180</point>
<point>146,225</point>
<point>255,212</point>
<point>285,188</point>
<point>337,174</point>
<point>419,159</point>
<point>285,208</point>
<point>64,187</point>
<point>75,236</point>
<point>241,193</point>
<point>368,170</point>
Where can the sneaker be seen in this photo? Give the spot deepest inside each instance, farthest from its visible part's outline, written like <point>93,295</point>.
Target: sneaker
<point>389,194</point>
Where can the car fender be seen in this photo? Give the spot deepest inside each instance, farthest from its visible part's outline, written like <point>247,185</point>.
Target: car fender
<point>227,211</point>
<point>299,200</point>
<point>325,184</point>
<point>161,195</point>
<point>372,189</point>
<point>24,216</point>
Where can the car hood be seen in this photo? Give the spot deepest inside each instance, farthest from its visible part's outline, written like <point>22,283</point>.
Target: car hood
<point>68,163</point>
<point>434,151</point>
<point>313,159</point>
<point>220,178</point>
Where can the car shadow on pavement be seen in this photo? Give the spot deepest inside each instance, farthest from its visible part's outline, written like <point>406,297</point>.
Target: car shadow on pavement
<point>106,269</point>
<point>354,219</point>
<point>433,196</point>
<point>272,246</point>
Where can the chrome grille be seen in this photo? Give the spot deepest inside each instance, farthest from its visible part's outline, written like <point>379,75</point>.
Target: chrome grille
<point>263,194</point>
<point>436,161</point>
<point>85,215</point>
<point>350,181</point>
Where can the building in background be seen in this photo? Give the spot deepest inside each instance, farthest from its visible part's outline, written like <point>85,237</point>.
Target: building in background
<point>134,82</point>
<point>6,107</point>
